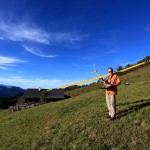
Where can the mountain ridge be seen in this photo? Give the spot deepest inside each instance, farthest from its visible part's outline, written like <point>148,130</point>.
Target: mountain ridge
<point>7,91</point>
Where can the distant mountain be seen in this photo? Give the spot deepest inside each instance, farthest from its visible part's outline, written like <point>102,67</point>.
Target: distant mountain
<point>10,91</point>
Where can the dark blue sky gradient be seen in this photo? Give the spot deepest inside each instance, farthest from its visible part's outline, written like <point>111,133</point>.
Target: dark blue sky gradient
<point>56,42</point>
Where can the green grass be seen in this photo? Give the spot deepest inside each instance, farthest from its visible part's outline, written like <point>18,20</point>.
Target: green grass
<point>80,122</point>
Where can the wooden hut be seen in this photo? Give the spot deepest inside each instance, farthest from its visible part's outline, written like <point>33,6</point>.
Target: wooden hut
<point>33,95</point>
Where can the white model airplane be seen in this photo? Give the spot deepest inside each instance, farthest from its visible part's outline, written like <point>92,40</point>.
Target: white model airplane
<point>96,72</point>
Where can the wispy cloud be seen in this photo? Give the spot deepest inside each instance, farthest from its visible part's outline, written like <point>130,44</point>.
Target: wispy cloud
<point>32,37</point>
<point>88,66</point>
<point>111,52</point>
<point>27,32</point>
<point>66,37</point>
<point>101,54</point>
<point>22,32</point>
<point>6,62</point>
<point>36,51</point>
<point>111,41</point>
<point>4,68</point>
<point>147,28</point>
<point>34,83</point>
<point>83,66</point>
<point>76,65</point>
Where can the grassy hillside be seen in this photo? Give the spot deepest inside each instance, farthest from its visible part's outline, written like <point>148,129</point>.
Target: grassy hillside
<point>80,122</point>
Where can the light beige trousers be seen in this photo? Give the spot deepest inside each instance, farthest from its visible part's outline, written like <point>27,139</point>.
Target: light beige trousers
<point>111,104</point>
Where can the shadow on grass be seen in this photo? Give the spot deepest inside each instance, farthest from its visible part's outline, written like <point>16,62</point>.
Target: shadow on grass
<point>133,108</point>
<point>133,102</point>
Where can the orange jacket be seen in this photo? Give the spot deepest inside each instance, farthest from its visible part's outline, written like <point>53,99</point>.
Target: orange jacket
<point>114,81</point>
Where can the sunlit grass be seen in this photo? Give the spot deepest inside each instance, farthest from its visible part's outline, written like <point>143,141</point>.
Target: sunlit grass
<point>80,122</point>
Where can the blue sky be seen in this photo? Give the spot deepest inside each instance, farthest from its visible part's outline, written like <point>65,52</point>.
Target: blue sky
<point>50,43</point>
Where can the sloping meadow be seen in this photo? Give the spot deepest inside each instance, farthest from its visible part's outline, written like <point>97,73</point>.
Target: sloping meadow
<point>80,122</point>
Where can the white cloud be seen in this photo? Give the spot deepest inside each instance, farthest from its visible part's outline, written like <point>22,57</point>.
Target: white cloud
<point>4,68</point>
<point>27,32</point>
<point>34,83</point>
<point>22,32</point>
<point>9,61</point>
<point>37,52</point>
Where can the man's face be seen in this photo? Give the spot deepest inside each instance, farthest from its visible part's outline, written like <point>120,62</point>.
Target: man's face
<point>110,71</point>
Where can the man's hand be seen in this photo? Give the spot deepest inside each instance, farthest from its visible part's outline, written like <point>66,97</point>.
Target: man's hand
<point>108,85</point>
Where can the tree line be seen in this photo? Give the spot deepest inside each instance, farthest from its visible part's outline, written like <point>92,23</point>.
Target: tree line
<point>146,60</point>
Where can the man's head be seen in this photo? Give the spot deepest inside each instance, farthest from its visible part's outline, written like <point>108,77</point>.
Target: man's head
<point>110,70</point>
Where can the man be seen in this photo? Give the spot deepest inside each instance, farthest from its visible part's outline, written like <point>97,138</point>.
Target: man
<point>111,83</point>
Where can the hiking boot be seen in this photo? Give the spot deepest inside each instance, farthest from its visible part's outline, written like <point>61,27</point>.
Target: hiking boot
<point>112,118</point>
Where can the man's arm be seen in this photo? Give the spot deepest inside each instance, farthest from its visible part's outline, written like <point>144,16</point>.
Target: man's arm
<point>116,82</point>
